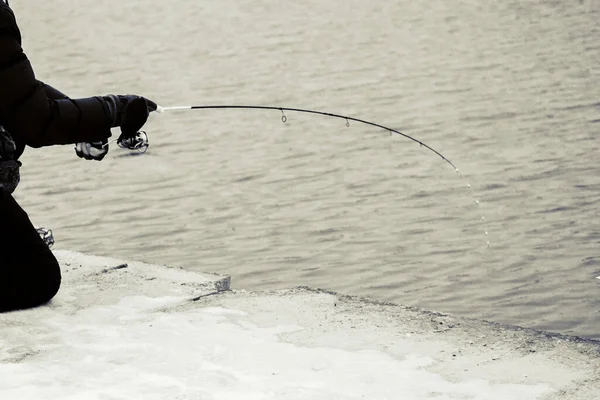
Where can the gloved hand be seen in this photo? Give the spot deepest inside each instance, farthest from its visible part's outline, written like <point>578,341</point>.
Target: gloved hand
<point>129,112</point>
<point>7,146</point>
<point>9,167</point>
<point>92,151</point>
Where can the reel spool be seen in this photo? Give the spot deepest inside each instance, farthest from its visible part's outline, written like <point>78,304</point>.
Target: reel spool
<point>138,142</point>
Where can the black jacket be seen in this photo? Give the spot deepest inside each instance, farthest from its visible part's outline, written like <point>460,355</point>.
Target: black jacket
<point>35,114</point>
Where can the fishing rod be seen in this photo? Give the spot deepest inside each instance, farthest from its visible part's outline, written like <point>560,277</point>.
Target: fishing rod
<point>300,110</point>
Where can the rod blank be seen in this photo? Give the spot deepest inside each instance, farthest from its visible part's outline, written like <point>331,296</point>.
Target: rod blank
<point>301,110</point>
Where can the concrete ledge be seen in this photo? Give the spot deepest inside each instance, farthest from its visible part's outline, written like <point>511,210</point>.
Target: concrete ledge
<point>458,349</point>
<point>128,330</point>
<point>92,280</point>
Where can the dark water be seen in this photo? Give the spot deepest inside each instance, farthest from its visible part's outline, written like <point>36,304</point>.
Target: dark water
<point>507,90</point>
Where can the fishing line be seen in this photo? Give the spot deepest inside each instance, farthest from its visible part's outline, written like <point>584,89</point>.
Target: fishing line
<point>138,142</point>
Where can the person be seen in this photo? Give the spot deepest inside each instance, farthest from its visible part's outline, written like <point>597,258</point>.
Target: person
<point>35,114</point>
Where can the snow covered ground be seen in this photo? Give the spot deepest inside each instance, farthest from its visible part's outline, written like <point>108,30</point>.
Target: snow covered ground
<point>139,331</point>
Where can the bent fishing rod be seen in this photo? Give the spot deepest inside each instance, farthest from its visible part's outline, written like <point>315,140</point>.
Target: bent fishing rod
<point>306,111</point>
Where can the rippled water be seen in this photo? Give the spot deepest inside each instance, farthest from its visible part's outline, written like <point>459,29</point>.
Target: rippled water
<point>507,90</point>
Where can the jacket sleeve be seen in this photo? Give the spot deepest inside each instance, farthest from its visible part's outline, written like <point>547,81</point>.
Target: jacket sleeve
<point>52,93</point>
<point>27,109</point>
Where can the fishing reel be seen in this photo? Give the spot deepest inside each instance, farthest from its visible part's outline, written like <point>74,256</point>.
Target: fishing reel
<point>46,235</point>
<point>139,142</point>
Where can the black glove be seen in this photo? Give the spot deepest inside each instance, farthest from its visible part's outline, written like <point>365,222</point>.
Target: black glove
<point>92,151</point>
<point>9,175</point>
<point>9,167</point>
<point>8,148</point>
<point>130,112</point>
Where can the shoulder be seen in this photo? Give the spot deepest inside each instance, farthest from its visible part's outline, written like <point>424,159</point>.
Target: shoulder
<point>6,14</point>
<point>8,22</point>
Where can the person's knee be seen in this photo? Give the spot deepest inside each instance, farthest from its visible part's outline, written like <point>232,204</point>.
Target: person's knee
<point>34,289</point>
<point>29,271</point>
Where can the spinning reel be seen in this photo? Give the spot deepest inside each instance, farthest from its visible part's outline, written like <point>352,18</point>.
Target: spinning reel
<point>138,142</point>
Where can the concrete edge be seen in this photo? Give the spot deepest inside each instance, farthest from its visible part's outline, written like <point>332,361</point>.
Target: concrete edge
<point>422,311</point>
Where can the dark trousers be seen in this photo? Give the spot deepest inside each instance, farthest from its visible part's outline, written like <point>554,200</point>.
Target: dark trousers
<point>29,272</point>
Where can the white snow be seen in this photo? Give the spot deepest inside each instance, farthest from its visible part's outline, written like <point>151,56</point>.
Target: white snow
<point>151,342</point>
